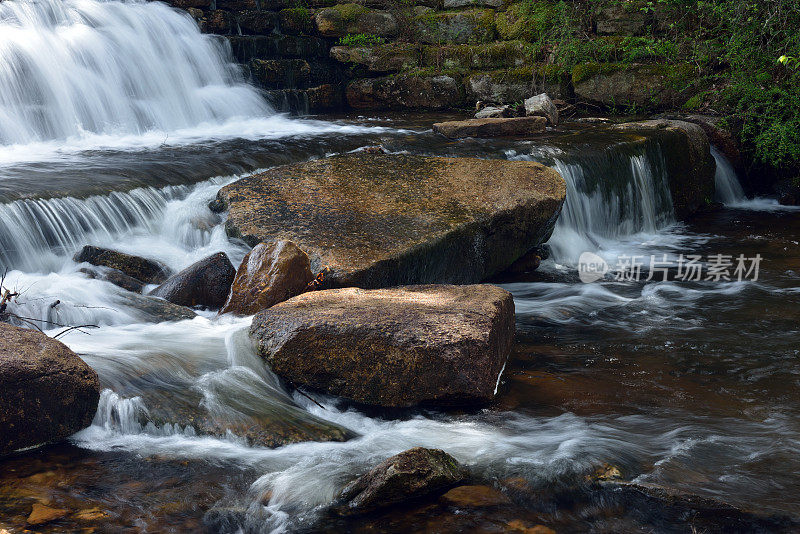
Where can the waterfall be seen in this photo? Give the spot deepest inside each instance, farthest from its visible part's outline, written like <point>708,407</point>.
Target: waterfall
<point>33,233</point>
<point>71,68</point>
<point>614,194</point>
<point>728,190</point>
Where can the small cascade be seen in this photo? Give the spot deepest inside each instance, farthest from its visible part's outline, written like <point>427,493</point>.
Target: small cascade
<point>728,190</point>
<point>34,233</point>
<point>612,195</point>
<point>72,68</point>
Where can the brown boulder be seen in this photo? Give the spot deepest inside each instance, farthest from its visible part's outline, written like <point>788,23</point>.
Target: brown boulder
<point>498,127</point>
<point>412,474</point>
<point>269,274</point>
<point>396,347</point>
<point>205,283</point>
<point>147,271</point>
<point>118,278</point>
<point>48,392</point>
<point>405,91</point>
<point>381,220</point>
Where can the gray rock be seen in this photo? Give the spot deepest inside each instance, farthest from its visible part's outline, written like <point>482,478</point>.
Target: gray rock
<point>498,127</point>
<point>542,106</point>
<point>494,112</point>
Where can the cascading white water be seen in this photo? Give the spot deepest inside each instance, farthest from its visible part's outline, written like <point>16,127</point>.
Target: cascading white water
<point>75,67</point>
<point>728,190</point>
<point>33,233</point>
<point>610,197</point>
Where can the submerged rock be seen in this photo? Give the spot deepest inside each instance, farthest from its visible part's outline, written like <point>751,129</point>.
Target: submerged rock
<point>151,309</point>
<point>397,347</point>
<point>475,497</point>
<point>542,106</point>
<point>116,277</point>
<point>412,474</point>
<point>269,274</point>
<point>205,283</point>
<point>498,127</point>
<point>48,392</point>
<point>41,514</point>
<point>690,167</point>
<point>378,220</point>
<point>147,271</point>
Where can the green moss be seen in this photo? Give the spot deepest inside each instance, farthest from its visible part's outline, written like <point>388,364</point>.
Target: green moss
<point>360,39</point>
<point>350,12</point>
<point>584,71</point>
<point>298,15</point>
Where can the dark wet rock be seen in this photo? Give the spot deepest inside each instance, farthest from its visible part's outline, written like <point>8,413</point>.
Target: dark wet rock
<point>205,283</point>
<point>530,261</point>
<point>257,22</point>
<point>542,106</point>
<point>494,112</point>
<point>378,220</point>
<point>690,166</point>
<point>147,271</point>
<point>269,274</point>
<point>325,97</point>
<point>216,206</point>
<point>503,127</point>
<point>475,497</point>
<point>405,91</point>
<point>218,21</point>
<point>257,418</point>
<point>48,392</point>
<point>705,512</point>
<point>412,474</point>
<point>397,347</point>
<point>116,277</point>
<point>151,309</point>
<point>789,192</point>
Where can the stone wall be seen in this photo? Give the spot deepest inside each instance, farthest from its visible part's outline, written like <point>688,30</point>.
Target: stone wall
<point>435,55</point>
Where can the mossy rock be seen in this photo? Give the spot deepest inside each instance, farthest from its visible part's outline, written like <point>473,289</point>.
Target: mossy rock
<point>527,21</point>
<point>344,19</point>
<point>419,89</point>
<point>644,87</point>
<point>497,55</point>
<point>393,57</point>
<point>456,27</point>
<point>296,20</point>
<point>515,85</point>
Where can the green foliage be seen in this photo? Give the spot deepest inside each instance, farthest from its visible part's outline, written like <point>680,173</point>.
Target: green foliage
<point>360,39</point>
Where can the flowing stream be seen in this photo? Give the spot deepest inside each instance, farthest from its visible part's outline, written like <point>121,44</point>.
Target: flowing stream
<point>689,385</point>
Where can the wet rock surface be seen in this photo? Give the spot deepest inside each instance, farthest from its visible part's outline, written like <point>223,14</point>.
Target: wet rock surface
<point>116,277</point>
<point>205,283</point>
<point>396,347</point>
<point>491,127</point>
<point>412,474</point>
<point>690,167</point>
<point>48,392</point>
<point>269,274</point>
<point>142,269</point>
<point>375,220</point>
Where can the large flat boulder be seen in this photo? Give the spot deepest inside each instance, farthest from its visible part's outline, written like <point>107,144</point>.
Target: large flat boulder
<point>397,347</point>
<point>142,269</point>
<point>47,391</point>
<point>376,220</point>
<point>492,127</point>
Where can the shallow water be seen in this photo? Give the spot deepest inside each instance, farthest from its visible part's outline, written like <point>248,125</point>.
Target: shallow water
<point>688,385</point>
